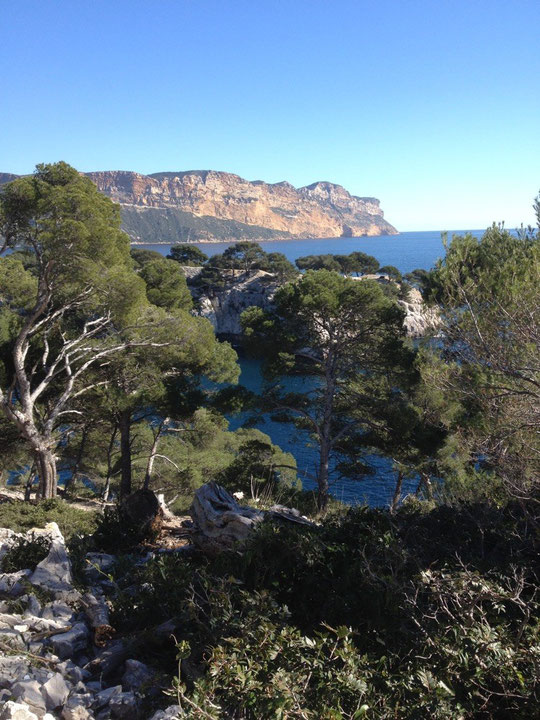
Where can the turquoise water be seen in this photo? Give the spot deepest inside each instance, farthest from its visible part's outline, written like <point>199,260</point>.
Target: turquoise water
<point>374,489</point>
<point>407,251</point>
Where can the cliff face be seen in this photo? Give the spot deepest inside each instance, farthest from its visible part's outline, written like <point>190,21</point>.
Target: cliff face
<point>208,205</point>
<point>7,177</point>
<point>203,205</point>
<point>223,307</point>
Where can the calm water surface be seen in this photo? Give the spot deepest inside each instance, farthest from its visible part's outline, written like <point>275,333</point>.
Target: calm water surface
<point>406,251</point>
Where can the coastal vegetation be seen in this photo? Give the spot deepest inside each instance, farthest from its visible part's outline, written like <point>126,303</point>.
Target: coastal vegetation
<point>112,387</point>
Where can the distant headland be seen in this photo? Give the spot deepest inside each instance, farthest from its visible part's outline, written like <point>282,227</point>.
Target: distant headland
<point>210,206</point>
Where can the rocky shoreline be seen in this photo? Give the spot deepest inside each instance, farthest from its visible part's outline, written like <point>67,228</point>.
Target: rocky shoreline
<point>224,306</point>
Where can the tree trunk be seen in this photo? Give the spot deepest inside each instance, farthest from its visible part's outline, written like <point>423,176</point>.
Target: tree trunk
<point>46,470</point>
<point>29,483</point>
<point>107,488</point>
<point>72,479</point>
<point>322,476</point>
<point>397,492</point>
<point>124,425</point>
<point>152,456</point>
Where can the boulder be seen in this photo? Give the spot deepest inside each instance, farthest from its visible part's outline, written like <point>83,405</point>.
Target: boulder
<point>72,672</point>
<point>33,607</point>
<point>55,692</point>
<point>16,711</point>
<point>136,675</point>
<point>68,644</point>
<point>29,692</point>
<point>170,713</point>
<point>105,697</point>
<point>12,669</point>
<point>54,572</point>
<point>123,706</point>
<point>58,610</point>
<point>12,638</point>
<point>76,708</point>
<point>12,584</point>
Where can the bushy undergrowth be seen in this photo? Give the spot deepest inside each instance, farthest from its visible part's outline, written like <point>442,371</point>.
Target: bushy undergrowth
<point>421,614</point>
<point>22,516</point>
<point>26,553</point>
<point>116,532</point>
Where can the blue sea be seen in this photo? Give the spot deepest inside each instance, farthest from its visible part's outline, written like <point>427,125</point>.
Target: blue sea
<point>407,251</point>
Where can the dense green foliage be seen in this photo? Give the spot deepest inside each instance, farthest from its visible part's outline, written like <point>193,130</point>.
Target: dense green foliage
<point>241,259</point>
<point>345,335</point>
<point>187,255</point>
<point>357,263</point>
<point>85,336</point>
<point>487,361</point>
<point>428,614</point>
<point>26,553</point>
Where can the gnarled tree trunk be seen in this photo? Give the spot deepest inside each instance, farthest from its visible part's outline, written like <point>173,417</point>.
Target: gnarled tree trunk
<point>46,470</point>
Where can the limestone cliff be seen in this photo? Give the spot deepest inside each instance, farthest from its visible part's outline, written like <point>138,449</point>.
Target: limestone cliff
<point>224,306</point>
<point>419,317</point>
<point>204,205</point>
<point>208,205</point>
<point>7,177</point>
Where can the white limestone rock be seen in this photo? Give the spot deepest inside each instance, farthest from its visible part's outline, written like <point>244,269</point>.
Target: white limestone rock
<point>12,669</point>
<point>170,713</point>
<point>68,644</point>
<point>55,692</point>
<point>11,584</point>
<point>123,706</point>
<point>16,711</point>
<point>54,572</point>
<point>136,675</point>
<point>76,708</point>
<point>223,307</point>
<point>13,638</point>
<point>104,697</point>
<point>29,692</point>
<point>419,318</point>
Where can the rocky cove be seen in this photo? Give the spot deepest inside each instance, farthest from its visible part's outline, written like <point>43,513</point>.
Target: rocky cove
<point>224,306</point>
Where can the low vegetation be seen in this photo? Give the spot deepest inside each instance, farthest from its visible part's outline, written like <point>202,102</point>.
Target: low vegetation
<point>427,613</point>
<point>23,516</point>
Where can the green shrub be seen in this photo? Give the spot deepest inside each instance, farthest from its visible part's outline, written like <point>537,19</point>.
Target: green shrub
<point>422,614</point>
<point>26,554</point>
<point>117,532</point>
<point>22,516</point>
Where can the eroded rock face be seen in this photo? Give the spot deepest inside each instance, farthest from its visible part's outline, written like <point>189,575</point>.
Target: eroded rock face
<point>322,209</point>
<point>224,307</point>
<point>419,318</point>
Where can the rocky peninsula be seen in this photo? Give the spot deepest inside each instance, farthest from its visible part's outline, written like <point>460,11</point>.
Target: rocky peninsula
<point>210,206</point>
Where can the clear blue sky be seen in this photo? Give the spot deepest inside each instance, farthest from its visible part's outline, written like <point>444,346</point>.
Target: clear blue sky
<point>433,106</point>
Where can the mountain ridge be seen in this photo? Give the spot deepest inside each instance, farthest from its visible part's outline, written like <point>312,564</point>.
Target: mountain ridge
<point>210,205</point>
